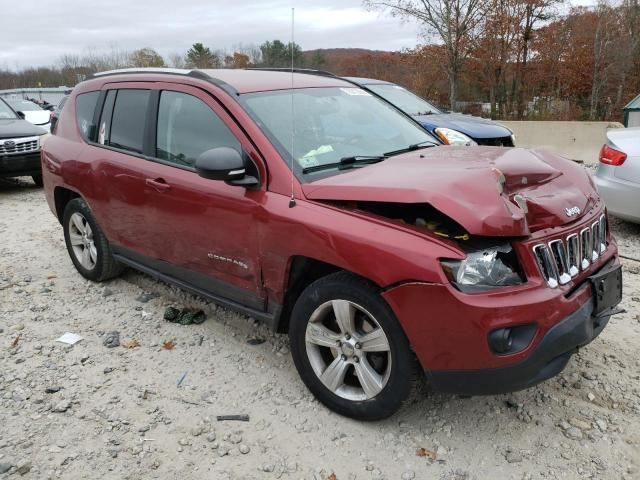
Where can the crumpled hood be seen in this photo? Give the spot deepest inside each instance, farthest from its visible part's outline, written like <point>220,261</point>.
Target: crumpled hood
<point>475,186</point>
<point>474,127</point>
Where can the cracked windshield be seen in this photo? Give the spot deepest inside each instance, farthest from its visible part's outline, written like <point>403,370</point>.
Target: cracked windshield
<point>331,125</point>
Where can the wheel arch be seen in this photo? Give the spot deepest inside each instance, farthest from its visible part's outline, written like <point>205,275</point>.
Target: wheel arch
<point>302,272</point>
<point>62,196</point>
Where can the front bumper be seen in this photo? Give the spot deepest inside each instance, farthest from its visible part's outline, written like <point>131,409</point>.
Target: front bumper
<point>20,165</point>
<point>449,331</point>
<point>548,359</point>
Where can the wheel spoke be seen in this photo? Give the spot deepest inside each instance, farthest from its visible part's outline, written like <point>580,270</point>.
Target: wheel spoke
<point>370,380</point>
<point>85,259</point>
<point>374,341</point>
<point>345,316</point>
<point>320,335</point>
<point>88,230</point>
<point>78,223</point>
<point>93,253</point>
<point>75,239</point>
<point>333,376</point>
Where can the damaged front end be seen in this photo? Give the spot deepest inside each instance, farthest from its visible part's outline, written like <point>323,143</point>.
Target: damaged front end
<point>488,263</point>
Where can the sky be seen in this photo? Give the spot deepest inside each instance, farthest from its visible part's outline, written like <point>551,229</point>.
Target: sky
<point>39,32</point>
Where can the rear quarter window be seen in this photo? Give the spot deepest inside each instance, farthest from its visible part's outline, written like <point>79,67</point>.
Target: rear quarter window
<point>85,108</point>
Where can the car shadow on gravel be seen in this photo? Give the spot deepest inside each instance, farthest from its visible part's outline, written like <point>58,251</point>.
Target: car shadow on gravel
<point>623,227</point>
<point>10,185</point>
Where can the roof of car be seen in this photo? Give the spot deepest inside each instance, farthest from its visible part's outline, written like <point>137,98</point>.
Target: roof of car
<point>367,81</point>
<point>246,80</point>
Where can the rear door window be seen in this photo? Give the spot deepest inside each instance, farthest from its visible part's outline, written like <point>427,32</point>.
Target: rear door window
<point>187,127</point>
<point>128,120</point>
<point>85,109</point>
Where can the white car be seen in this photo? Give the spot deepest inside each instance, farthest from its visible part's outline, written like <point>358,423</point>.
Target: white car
<point>618,175</point>
<point>32,112</point>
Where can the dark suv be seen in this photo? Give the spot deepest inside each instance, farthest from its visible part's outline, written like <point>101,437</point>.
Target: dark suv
<point>20,143</point>
<point>315,206</point>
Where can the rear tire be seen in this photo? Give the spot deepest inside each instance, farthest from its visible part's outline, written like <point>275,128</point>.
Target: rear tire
<point>37,179</point>
<point>349,349</point>
<point>87,246</point>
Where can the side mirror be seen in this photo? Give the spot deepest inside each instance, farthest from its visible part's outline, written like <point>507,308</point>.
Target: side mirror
<point>21,115</point>
<point>226,164</point>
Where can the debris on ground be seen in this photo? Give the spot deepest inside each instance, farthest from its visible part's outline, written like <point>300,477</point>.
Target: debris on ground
<point>168,345</point>
<point>69,338</point>
<point>184,375</point>
<point>14,344</point>
<point>134,343</point>
<point>240,418</point>
<point>112,340</point>
<point>256,341</point>
<point>425,452</point>
<point>186,316</point>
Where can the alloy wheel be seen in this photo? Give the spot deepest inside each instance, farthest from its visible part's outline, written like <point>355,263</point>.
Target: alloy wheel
<point>348,350</point>
<point>82,241</point>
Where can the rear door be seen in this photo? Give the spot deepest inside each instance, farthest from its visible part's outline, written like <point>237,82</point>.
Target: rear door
<point>120,168</point>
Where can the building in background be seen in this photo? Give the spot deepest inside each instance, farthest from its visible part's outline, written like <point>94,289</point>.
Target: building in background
<point>632,113</point>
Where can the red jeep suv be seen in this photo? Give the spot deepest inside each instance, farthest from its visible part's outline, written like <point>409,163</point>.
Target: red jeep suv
<point>308,203</point>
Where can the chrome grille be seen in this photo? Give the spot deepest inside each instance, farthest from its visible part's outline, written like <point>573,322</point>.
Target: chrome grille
<point>562,259</point>
<point>15,146</point>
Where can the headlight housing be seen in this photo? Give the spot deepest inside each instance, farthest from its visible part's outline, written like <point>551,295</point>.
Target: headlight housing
<point>453,137</point>
<point>485,269</point>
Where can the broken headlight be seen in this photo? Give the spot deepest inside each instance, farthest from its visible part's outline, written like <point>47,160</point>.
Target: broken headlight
<point>485,269</point>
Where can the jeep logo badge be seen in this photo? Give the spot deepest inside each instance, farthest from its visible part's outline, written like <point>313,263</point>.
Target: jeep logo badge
<point>9,144</point>
<point>572,211</point>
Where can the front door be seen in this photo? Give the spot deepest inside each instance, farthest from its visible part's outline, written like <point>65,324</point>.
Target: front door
<point>203,231</point>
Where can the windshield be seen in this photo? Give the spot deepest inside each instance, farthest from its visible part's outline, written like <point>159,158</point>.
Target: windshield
<point>23,105</point>
<point>331,124</point>
<point>6,112</point>
<point>403,99</point>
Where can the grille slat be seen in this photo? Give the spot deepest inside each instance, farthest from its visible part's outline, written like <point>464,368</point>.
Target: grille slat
<point>562,259</point>
<point>13,146</point>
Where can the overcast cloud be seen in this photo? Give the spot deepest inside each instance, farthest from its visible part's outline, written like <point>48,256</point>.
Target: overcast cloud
<point>38,32</point>
<point>33,34</point>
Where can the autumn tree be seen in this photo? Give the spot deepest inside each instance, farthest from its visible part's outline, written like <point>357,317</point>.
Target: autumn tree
<point>200,56</point>
<point>236,60</point>
<point>453,22</point>
<point>146,57</point>
<point>533,13</point>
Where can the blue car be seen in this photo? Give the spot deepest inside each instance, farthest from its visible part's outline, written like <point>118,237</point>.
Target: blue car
<point>450,128</point>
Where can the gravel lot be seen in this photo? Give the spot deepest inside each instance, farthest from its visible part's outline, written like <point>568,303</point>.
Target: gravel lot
<point>89,411</point>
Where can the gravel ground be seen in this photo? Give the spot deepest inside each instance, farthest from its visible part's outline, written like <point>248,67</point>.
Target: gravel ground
<point>90,411</point>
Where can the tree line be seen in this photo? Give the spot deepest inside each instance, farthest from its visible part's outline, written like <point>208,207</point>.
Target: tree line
<point>73,68</point>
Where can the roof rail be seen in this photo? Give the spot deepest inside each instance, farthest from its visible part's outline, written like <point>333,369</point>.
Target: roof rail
<point>175,71</point>
<point>309,71</point>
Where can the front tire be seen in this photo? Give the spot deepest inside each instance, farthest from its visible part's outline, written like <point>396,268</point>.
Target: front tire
<point>349,349</point>
<point>87,246</point>
<point>37,179</point>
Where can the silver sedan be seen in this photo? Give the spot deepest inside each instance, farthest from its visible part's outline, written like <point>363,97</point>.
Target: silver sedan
<point>618,174</point>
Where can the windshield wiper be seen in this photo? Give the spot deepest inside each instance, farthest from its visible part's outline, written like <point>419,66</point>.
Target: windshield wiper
<point>346,162</point>
<point>412,147</point>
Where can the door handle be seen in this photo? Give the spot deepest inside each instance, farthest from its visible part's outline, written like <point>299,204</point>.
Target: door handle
<point>159,184</point>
